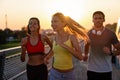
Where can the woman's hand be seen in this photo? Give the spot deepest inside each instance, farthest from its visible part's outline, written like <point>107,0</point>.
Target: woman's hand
<point>48,56</point>
<point>22,57</point>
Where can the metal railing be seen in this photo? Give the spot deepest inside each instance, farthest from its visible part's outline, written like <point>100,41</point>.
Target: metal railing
<point>3,59</point>
<point>10,66</point>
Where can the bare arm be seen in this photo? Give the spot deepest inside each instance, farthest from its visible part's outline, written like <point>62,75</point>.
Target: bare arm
<point>50,52</point>
<point>23,49</point>
<point>48,56</point>
<point>46,39</point>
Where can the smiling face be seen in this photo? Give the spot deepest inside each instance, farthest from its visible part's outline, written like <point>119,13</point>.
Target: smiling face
<point>33,25</point>
<point>57,23</point>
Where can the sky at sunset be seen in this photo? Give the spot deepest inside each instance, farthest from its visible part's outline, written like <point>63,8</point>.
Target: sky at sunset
<point>18,12</point>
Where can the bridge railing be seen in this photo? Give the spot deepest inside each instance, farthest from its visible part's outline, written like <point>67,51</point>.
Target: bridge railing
<point>3,54</point>
<point>9,64</point>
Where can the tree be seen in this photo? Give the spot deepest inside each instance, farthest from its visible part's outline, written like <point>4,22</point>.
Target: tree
<point>111,26</point>
<point>2,37</point>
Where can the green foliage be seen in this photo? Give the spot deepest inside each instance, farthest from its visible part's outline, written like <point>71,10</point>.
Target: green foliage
<point>2,37</point>
<point>10,44</point>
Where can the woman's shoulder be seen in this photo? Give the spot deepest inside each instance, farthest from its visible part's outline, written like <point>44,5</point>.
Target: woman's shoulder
<point>43,36</point>
<point>24,40</point>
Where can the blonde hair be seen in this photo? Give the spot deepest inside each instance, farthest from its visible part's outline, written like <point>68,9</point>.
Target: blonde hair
<point>73,27</point>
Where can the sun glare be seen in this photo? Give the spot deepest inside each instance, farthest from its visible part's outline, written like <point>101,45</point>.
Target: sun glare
<point>119,21</point>
<point>72,8</point>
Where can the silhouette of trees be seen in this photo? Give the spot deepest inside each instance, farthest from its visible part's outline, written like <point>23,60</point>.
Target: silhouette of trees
<point>16,34</point>
<point>2,37</point>
<point>111,26</point>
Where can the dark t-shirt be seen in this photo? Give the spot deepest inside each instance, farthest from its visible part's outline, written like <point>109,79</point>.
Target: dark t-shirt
<point>98,60</point>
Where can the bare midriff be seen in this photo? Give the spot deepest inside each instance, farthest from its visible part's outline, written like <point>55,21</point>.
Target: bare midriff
<point>35,59</point>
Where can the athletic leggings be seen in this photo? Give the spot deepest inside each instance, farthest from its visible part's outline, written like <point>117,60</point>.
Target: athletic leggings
<point>38,72</point>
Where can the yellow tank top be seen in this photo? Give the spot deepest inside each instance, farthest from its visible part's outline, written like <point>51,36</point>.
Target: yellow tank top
<point>62,57</point>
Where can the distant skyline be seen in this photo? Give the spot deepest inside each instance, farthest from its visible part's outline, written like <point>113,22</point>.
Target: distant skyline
<point>19,11</point>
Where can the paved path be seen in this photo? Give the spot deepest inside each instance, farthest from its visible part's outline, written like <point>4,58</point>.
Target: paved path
<point>81,69</point>
<point>13,66</point>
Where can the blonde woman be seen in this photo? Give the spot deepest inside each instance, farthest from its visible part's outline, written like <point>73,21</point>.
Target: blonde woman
<point>65,46</point>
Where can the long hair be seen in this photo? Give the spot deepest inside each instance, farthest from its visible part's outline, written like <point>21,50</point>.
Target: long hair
<point>28,30</point>
<point>73,27</point>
